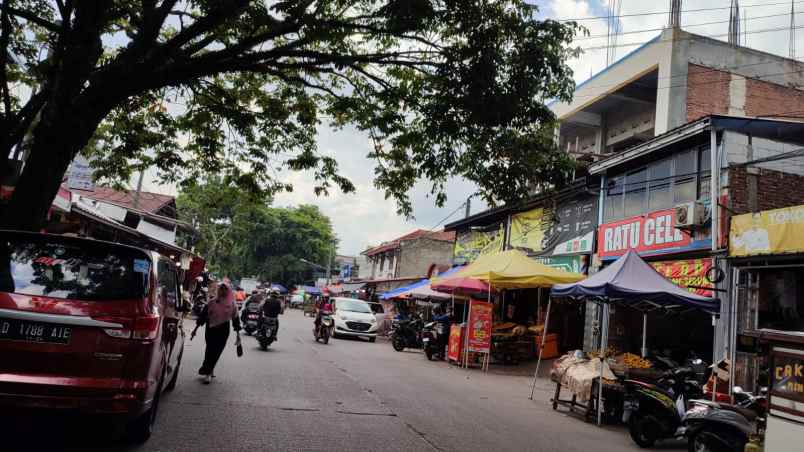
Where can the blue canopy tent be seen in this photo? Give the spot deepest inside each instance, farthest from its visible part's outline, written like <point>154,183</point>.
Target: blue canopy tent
<point>279,287</point>
<point>630,282</point>
<point>421,284</point>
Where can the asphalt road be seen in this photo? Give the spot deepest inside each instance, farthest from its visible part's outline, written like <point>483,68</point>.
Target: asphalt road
<point>350,395</point>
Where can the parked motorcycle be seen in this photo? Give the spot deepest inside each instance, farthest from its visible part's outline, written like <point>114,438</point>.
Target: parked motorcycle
<point>654,411</point>
<point>434,340</point>
<point>267,331</point>
<point>719,427</point>
<point>251,318</point>
<point>406,334</point>
<point>324,329</point>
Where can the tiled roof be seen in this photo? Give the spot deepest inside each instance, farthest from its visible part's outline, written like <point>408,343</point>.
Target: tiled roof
<point>148,202</point>
<point>444,236</point>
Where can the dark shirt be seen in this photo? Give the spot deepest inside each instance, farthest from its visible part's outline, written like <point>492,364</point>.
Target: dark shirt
<point>272,307</point>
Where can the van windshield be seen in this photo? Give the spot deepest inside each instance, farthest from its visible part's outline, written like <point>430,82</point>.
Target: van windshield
<point>83,271</point>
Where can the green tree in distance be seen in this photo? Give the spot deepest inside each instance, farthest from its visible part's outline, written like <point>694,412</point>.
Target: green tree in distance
<point>237,88</point>
<point>241,236</point>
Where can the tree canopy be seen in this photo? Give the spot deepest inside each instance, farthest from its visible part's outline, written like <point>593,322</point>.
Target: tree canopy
<point>241,236</point>
<point>237,88</point>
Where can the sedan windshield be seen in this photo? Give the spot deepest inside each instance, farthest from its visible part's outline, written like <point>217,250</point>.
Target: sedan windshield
<point>346,304</point>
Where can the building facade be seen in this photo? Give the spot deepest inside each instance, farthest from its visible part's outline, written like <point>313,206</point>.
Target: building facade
<point>411,256</point>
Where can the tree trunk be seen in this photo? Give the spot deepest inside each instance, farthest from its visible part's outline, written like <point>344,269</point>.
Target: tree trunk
<point>57,139</point>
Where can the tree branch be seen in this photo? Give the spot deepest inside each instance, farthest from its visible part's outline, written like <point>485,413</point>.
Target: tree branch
<point>5,32</point>
<point>30,17</point>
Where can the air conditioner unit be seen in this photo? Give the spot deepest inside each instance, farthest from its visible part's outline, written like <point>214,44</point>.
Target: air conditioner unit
<point>690,214</point>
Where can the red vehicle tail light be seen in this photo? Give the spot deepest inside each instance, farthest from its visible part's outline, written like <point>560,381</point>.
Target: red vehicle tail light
<point>141,328</point>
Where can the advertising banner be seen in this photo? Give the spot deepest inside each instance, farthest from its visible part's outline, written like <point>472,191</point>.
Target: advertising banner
<point>480,320</point>
<point>568,229</point>
<point>788,376</point>
<point>572,264</point>
<point>685,273</point>
<point>653,233</point>
<point>768,232</point>
<point>473,243</point>
<point>455,341</point>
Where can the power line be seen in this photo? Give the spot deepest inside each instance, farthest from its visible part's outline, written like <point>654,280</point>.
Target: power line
<point>449,216</point>
<point>656,13</point>
<point>647,30</point>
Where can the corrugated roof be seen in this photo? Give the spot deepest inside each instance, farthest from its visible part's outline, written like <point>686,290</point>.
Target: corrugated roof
<point>148,202</point>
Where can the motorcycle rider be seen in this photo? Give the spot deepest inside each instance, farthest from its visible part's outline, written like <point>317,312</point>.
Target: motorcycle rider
<point>272,307</point>
<point>325,308</point>
<point>255,298</point>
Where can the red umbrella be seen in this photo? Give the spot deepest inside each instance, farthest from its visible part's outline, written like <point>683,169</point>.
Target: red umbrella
<point>461,285</point>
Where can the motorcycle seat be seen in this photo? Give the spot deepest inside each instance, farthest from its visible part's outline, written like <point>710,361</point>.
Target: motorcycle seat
<point>750,415</point>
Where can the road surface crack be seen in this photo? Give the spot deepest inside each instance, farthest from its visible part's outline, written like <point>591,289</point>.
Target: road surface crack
<point>422,436</point>
<point>364,413</point>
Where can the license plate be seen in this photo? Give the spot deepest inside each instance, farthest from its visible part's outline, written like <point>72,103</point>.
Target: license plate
<point>23,330</point>
<point>426,339</point>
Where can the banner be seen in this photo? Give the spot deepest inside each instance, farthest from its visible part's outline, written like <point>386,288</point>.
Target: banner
<point>568,229</point>
<point>653,233</point>
<point>472,243</point>
<point>767,232</point>
<point>572,264</point>
<point>687,273</point>
<point>455,341</point>
<point>480,320</point>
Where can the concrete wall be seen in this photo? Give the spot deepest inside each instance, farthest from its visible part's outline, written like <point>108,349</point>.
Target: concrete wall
<point>416,256</point>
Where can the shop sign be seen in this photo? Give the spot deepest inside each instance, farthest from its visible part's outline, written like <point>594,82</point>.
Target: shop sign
<point>572,264</point>
<point>479,339</point>
<point>653,233</point>
<point>454,345</point>
<point>80,173</point>
<point>473,243</point>
<point>788,376</point>
<point>768,232</point>
<point>568,229</point>
<point>687,273</point>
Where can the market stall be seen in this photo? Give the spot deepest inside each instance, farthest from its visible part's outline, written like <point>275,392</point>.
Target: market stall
<point>508,270</point>
<point>631,283</point>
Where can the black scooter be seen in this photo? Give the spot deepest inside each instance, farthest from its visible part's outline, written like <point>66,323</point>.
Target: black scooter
<point>434,339</point>
<point>251,318</point>
<point>654,411</point>
<point>406,334</point>
<point>267,332</point>
<point>720,427</point>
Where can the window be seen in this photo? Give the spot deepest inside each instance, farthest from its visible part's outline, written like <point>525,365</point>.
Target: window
<point>88,271</point>
<point>635,192</point>
<point>614,199</point>
<point>660,195</point>
<point>685,188</point>
<point>681,178</point>
<point>166,274</point>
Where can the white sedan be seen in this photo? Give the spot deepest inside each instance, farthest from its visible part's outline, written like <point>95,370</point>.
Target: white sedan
<point>354,318</point>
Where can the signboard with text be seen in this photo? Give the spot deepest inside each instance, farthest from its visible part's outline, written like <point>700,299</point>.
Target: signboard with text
<point>767,232</point>
<point>473,243</point>
<point>455,341</point>
<point>652,233</point>
<point>686,273</point>
<point>567,229</point>
<point>479,331</point>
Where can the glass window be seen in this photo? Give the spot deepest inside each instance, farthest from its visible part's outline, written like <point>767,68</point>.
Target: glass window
<point>660,195</point>
<point>635,192</point>
<point>351,305</point>
<point>69,269</point>
<point>614,199</point>
<point>705,176</point>
<point>166,274</point>
<point>685,188</point>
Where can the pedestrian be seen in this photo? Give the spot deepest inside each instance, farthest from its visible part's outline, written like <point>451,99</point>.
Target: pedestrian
<point>218,315</point>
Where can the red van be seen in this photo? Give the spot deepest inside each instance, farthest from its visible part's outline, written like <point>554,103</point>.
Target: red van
<point>88,326</point>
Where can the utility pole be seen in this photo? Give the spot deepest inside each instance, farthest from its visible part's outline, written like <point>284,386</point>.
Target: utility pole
<point>468,207</point>
<point>329,263</point>
<point>675,14</point>
<point>793,30</point>
<point>139,190</point>
<point>734,23</point>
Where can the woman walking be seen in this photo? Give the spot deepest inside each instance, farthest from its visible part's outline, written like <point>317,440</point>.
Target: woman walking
<point>218,315</point>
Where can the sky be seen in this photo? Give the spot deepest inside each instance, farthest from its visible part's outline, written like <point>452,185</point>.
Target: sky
<point>366,218</point>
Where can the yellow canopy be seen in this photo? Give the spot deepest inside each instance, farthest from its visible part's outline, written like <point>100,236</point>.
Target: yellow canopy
<point>513,269</point>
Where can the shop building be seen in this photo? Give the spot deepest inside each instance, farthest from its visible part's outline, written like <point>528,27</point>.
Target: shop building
<point>656,198</point>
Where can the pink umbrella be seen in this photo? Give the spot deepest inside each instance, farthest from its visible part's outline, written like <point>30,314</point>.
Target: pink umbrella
<point>461,285</point>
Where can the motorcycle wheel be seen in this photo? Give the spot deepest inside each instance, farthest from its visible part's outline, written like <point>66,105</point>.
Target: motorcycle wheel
<point>428,352</point>
<point>398,344</point>
<point>325,335</point>
<point>263,344</point>
<point>643,430</point>
<point>711,442</point>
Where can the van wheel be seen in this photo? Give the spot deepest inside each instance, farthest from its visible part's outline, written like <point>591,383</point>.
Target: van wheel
<point>172,383</point>
<point>372,339</point>
<point>140,430</point>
